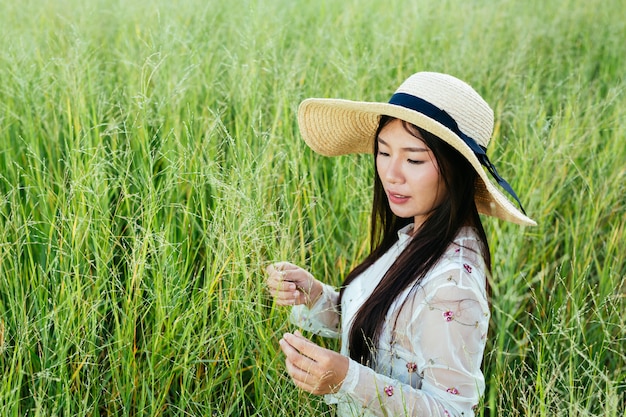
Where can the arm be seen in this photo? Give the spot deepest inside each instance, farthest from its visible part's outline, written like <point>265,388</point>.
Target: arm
<point>321,318</point>
<point>442,341</point>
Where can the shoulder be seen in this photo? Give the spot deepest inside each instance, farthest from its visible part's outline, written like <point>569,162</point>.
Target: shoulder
<point>462,266</point>
<point>466,244</point>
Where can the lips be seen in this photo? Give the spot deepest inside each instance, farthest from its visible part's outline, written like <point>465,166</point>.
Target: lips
<point>396,198</point>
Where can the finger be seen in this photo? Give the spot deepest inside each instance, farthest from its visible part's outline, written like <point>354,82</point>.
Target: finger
<point>285,271</point>
<point>295,356</point>
<point>299,335</point>
<point>315,384</point>
<point>302,379</point>
<point>273,268</point>
<point>290,280</point>
<point>286,299</point>
<point>274,274</point>
<point>276,282</point>
<point>287,291</point>
<point>307,361</point>
<point>303,345</point>
<point>281,266</point>
<point>284,292</point>
<point>297,373</point>
<point>302,370</point>
<point>274,277</point>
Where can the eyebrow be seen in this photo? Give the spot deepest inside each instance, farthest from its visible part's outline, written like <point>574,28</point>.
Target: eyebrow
<point>409,149</point>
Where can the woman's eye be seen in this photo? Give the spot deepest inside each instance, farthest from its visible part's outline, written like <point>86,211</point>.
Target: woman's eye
<point>414,161</point>
<point>381,153</point>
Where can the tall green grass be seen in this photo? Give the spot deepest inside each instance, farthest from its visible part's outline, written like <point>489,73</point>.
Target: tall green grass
<point>150,167</point>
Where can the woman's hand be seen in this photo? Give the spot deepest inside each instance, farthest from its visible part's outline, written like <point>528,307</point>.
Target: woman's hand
<point>291,285</point>
<point>313,368</point>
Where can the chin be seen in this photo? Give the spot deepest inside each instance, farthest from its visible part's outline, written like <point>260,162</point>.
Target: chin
<point>404,215</point>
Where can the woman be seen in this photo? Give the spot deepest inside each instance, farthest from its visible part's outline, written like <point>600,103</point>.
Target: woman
<point>413,316</point>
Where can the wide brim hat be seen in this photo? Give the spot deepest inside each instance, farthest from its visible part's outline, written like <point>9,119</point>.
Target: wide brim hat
<point>438,103</point>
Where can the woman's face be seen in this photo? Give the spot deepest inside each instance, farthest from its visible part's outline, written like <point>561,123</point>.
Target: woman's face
<point>409,173</point>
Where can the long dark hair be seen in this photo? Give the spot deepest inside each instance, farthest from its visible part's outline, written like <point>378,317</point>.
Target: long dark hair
<point>424,249</point>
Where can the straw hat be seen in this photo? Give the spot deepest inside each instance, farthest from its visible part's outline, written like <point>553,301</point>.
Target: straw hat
<point>440,104</point>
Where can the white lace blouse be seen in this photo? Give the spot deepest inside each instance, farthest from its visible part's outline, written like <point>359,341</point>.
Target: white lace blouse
<point>429,365</point>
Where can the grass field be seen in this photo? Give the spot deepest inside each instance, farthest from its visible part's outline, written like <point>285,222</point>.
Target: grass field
<point>150,167</point>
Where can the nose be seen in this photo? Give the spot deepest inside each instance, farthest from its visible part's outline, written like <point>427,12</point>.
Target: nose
<point>393,173</point>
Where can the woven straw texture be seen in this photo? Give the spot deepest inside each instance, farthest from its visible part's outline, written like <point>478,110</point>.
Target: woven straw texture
<point>334,127</point>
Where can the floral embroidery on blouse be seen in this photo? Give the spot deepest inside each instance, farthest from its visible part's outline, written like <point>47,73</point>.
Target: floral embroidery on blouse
<point>451,279</point>
<point>452,292</point>
<point>448,315</point>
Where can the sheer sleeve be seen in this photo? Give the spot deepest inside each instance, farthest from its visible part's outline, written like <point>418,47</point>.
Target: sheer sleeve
<point>323,317</point>
<point>434,357</point>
